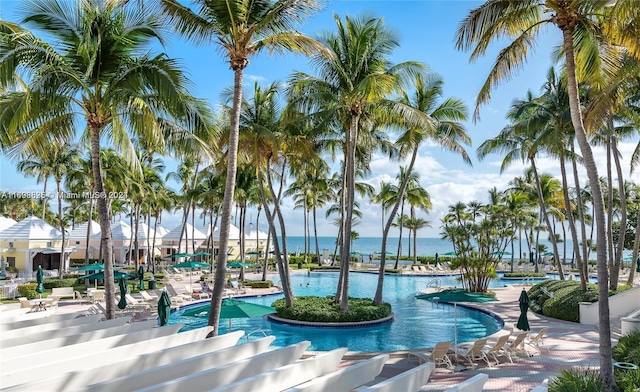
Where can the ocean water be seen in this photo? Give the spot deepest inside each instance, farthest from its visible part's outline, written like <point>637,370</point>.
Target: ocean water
<point>368,245</point>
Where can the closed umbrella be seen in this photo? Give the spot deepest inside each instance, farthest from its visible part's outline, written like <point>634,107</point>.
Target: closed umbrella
<point>164,308</point>
<point>523,302</point>
<point>141,278</point>
<point>40,280</point>
<point>123,291</point>
<point>454,296</point>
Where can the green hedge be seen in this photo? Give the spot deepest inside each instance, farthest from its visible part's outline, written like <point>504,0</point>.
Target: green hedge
<point>525,274</point>
<point>258,284</point>
<point>324,309</point>
<point>628,348</point>
<point>66,282</point>
<point>28,290</point>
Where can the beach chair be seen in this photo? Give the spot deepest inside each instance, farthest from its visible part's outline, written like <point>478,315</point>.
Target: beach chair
<point>423,269</point>
<point>473,352</point>
<point>515,347</point>
<point>438,355</point>
<point>415,268</point>
<point>97,296</point>
<point>474,384</point>
<point>495,350</point>
<point>148,297</point>
<point>537,340</point>
<point>26,304</point>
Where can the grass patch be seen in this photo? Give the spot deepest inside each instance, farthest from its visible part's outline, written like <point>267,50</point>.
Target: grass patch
<point>325,310</point>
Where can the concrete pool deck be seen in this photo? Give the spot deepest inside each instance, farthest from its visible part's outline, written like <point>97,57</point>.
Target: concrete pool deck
<point>569,344</point>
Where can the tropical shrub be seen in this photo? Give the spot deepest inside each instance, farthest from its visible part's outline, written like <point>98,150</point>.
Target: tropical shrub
<point>258,284</point>
<point>628,348</point>
<point>525,274</point>
<point>66,282</point>
<point>573,380</point>
<point>28,290</point>
<point>324,309</point>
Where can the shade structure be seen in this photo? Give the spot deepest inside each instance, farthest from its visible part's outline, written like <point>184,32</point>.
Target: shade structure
<point>178,255</point>
<point>523,303</point>
<point>141,278</point>
<point>123,291</point>
<point>238,264</point>
<point>454,296</point>
<point>91,267</point>
<point>253,252</point>
<point>230,309</point>
<point>450,254</point>
<point>201,253</point>
<point>116,275</point>
<point>40,280</point>
<point>164,308</point>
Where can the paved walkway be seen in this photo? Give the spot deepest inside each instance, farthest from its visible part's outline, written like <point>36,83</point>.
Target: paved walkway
<point>569,345</point>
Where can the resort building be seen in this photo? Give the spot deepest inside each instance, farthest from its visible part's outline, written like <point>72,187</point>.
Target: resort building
<point>30,243</point>
<point>192,240</point>
<point>78,239</point>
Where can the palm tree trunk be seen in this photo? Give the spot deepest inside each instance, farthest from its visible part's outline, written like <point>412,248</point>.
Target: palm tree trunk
<point>606,352</point>
<point>63,260</point>
<point>609,211</point>
<point>315,234</point>
<point>617,263</point>
<point>377,299</point>
<point>572,224</point>
<point>227,204</point>
<point>636,248</point>
<point>105,226</point>
<point>581,217</point>
<point>135,233</point>
<point>44,200</point>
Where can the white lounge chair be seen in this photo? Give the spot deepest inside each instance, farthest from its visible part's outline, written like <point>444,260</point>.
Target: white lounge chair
<point>474,384</point>
<point>438,355</point>
<point>495,350</point>
<point>515,347</point>
<point>148,297</point>
<point>538,341</point>
<point>473,352</point>
<point>25,303</point>
<point>409,381</point>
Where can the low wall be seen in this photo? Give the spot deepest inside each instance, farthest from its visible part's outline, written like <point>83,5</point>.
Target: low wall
<point>620,305</point>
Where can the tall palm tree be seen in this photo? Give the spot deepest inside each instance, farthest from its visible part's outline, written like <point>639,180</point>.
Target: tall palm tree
<point>242,29</point>
<point>39,167</point>
<point>580,23</point>
<point>415,224</point>
<point>355,82</point>
<point>97,68</point>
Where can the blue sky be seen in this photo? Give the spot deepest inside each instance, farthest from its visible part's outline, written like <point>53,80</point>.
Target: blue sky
<point>426,29</point>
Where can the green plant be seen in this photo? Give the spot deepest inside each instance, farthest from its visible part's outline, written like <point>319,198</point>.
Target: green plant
<point>628,348</point>
<point>258,284</point>
<point>66,282</point>
<point>627,380</point>
<point>28,290</point>
<point>525,274</point>
<point>574,380</point>
<point>324,309</point>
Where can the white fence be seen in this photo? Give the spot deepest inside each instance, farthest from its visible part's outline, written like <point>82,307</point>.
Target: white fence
<point>620,305</point>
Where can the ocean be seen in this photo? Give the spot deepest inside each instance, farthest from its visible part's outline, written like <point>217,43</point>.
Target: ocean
<point>368,245</point>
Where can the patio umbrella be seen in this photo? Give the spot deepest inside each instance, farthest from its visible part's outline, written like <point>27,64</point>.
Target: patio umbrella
<point>454,296</point>
<point>230,309</point>
<point>164,307</point>
<point>238,264</point>
<point>116,275</point>
<point>141,278</point>
<point>40,280</point>
<point>450,254</point>
<point>91,267</point>
<point>191,265</point>
<point>201,253</point>
<point>178,256</point>
<point>123,291</point>
<point>523,302</point>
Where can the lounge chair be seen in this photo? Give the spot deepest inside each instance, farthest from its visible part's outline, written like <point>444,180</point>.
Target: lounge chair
<point>473,352</point>
<point>415,268</point>
<point>537,340</point>
<point>409,381</point>
<point>97,296</point>
<point>25,303</point>
<point>513,348</point>
<point>148,297</point>
<point>474,384</point>
<point>438,355</point>
<point>136,304</point>
<point>495,350</point>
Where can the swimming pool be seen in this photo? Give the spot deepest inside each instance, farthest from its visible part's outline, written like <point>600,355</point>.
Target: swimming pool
<point>418,323</point>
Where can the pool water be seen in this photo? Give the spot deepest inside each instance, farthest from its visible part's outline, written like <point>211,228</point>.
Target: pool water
<point>418,323</point>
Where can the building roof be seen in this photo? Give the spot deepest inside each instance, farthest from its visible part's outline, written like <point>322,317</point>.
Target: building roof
<point>80,231</point>
<point>191,233</point>
<point>6,222</point>
<point>30,228</point>
<point>122,231</point>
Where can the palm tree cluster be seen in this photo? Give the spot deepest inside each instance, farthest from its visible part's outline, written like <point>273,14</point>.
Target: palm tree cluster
<point>600,64</point>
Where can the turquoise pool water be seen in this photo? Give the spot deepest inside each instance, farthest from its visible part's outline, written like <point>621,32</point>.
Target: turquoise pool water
<point>418,323</point>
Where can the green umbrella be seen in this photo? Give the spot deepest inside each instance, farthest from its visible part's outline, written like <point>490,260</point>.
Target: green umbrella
<point>91,267</point>
<point>454,296</point>
<point>191,265</point>
<point>449,254</point>
<point>523,302</point>
<point>40,280</point>
<point>141,278</point>
<point>164,307</point>
<point>201,253</point>
<point>238,264</point>
<point>178,256</point>
<point>116,275</point>
<point>123,291</point>
<point>231,308</point>
<point>253,252</point>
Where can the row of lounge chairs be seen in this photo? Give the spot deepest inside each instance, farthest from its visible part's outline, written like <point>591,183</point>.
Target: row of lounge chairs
<point>440,268</point>
<point>507,345</point>
<point>68,352</point>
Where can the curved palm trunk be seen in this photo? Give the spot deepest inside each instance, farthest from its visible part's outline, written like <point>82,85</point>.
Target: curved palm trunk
<point>315,234</point>
<point>106,244</point>
<point>572,224</point>
<point>636,248</point>
<point>227,204</point>
<point>604,326</point>
<point>44,200</point>
<point>137,239</point>
<point>617,262</point>
<point>88,237</point>
<point>399,250</point>
<point>581,217</point>
<point>610,247</point>
<point>377,299</point>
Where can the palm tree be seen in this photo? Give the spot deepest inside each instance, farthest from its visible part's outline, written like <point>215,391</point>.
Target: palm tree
<point>39,167</point>
<point>241,28</point>
<point>356,78</point>
<point>580,23</point>
<point>415,224</point>
<point>99,69</point>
